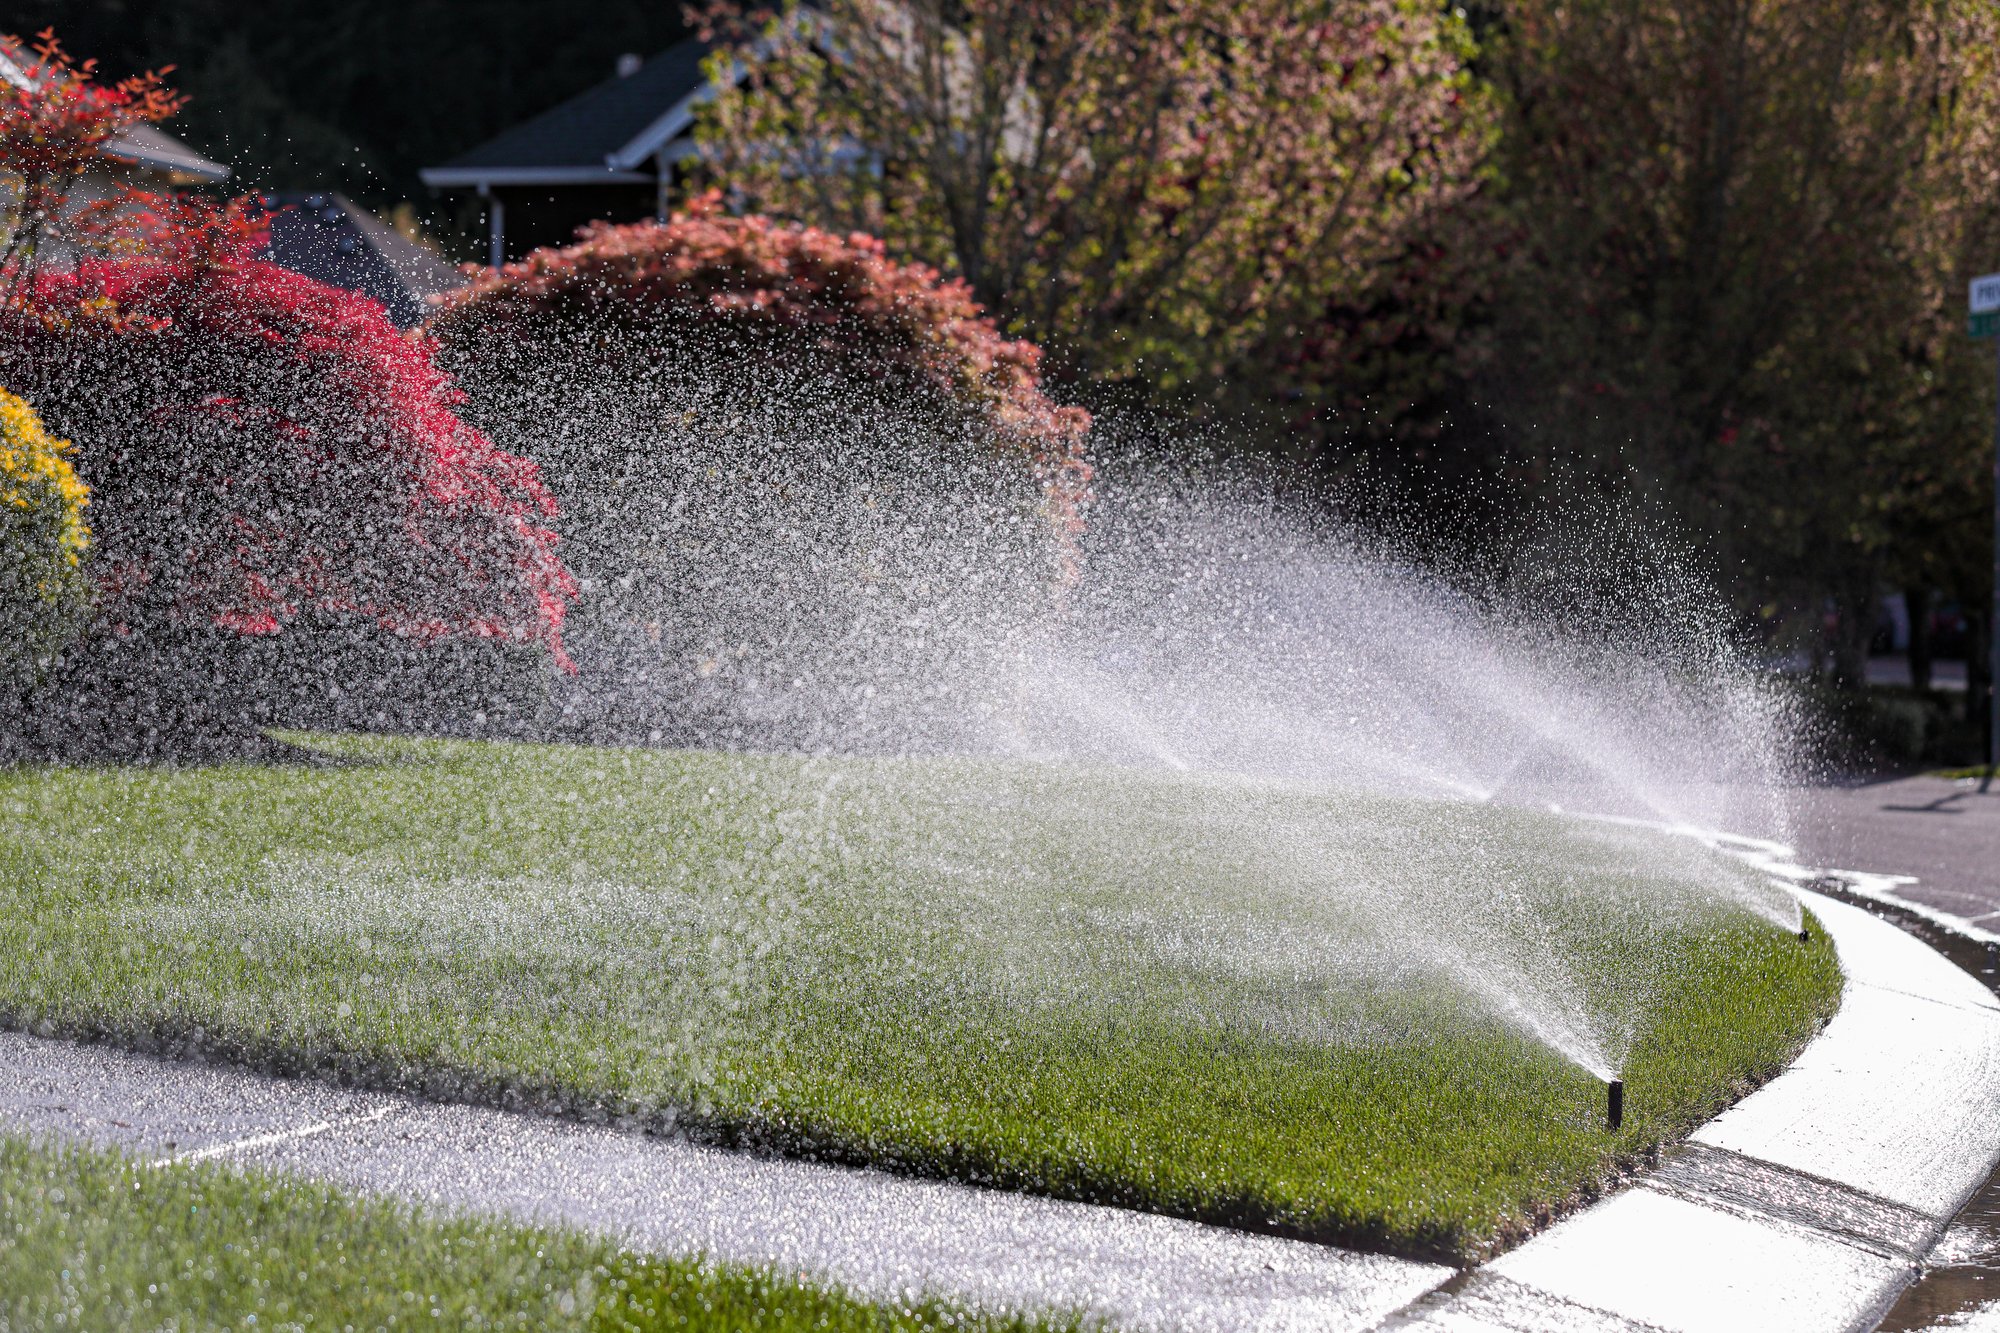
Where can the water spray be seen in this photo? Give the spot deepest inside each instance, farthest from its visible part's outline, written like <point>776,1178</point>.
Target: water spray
<point>1614,1115</point>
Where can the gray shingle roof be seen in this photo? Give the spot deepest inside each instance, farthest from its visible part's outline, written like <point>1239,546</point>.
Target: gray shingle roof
<point>331,239</point>
<point>571,143</point>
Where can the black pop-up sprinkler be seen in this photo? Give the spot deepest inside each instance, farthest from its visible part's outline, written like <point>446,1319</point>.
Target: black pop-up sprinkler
<point>1805,933</point>
<point>1992,957</point>
<point>1615,1109</point>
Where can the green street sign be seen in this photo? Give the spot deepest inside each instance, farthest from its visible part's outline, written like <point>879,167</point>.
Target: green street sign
<point>1984,325</point>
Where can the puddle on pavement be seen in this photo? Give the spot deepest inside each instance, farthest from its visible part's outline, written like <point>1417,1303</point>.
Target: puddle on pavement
<point>1960,1288</point>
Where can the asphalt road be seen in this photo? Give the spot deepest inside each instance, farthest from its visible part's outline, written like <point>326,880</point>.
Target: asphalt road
<point>1943,834</point>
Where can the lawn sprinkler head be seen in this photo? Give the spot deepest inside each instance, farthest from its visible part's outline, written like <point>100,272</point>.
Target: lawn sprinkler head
<point>1805,933</point>
<point>1992,957</point>
<point>1615,1108</point>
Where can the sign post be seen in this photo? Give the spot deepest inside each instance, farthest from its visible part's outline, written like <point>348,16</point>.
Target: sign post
<point>1984,322</point>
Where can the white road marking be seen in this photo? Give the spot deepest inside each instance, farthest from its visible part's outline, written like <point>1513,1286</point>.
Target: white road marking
<point>265,1140</point>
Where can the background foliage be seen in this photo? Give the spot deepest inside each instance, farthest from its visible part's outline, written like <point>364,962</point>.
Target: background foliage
<point>1706,256</point>
<point>1740,234</point>
<point>1162,189</point>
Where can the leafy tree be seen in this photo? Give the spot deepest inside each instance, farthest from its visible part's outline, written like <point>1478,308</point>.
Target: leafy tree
<point>1738,230</point>
<point>1935,504</point>
<point>1160,188</point>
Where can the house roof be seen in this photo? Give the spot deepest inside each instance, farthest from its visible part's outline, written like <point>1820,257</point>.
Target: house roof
<point>149,146</point>
<point>603,136</point>
<point>328,237</point>
<point>142,145</point>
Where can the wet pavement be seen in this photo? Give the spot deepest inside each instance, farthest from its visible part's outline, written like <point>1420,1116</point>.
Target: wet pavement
<point>1962,1288</point>
<point>876,1234</point>
<point>1934,842</point>
<point>1933,845</point>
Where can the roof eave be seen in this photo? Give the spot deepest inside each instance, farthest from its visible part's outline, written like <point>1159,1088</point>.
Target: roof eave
<point>671,124</point>
<point>198,167</point>
<point>681,115</point>
<point>480,178</point>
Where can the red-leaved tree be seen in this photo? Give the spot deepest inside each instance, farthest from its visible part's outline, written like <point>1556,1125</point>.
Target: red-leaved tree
<point>263,449</point>
<point>56,120</point>
<point>794,474</point>
<point>774,289</point>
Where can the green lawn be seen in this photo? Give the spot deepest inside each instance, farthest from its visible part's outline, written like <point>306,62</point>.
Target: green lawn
<point>1253,1003</point>
<point>92,1241</point>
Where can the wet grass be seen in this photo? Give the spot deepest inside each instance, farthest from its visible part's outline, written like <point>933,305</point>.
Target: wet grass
<point>1273,1006</point>
<point>92,1240</point>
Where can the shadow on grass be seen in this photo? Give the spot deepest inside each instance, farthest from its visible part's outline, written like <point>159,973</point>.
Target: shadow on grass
<point>186,698</point>
<point>140,743</point>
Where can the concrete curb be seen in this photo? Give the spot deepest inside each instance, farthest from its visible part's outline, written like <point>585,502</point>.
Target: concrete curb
<point>1809,1205</point>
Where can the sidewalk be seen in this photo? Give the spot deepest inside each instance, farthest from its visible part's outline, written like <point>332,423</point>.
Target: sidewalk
<point>875,1234</point>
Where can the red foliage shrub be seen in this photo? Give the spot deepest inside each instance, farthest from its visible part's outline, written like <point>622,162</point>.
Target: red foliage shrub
<point>837,296</point>
<point>54,126</point>
<point>263,449</point>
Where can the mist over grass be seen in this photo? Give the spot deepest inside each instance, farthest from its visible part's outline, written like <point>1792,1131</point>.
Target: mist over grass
<point>1358,1018</point>
<point>777,557</point>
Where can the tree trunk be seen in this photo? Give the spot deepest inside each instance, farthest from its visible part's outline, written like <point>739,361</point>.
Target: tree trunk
<point>1978,671</point>
<point>1853,626</point>
<point>1918,601</point>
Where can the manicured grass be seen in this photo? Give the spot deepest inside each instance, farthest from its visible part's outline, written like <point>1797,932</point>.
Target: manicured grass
<point>93,1241</point>
<point>1253,1003</point>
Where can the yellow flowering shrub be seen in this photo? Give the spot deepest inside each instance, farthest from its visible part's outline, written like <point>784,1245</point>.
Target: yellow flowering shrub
<point>44,591</point>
